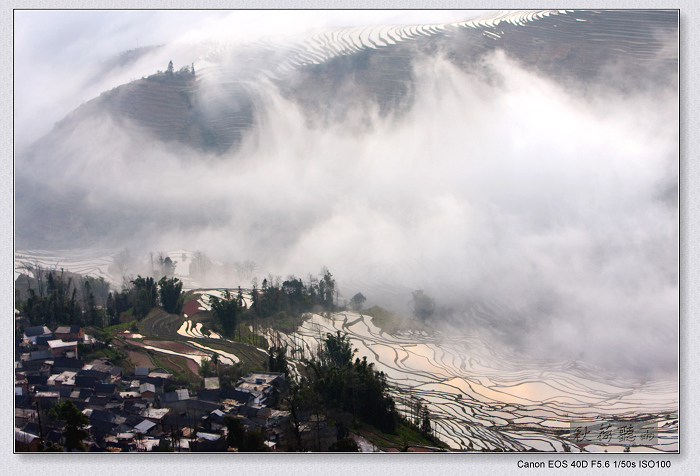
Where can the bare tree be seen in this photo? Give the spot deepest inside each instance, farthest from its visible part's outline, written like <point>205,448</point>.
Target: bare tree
<point>245,269</point>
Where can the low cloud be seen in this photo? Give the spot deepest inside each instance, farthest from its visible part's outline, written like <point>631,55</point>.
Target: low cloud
<point>496,186</point>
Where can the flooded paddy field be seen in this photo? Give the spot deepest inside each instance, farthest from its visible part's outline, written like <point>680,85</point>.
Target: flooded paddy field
<point>483,397</point>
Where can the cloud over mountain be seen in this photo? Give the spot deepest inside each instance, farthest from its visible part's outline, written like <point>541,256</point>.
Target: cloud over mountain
<point>523,176</point>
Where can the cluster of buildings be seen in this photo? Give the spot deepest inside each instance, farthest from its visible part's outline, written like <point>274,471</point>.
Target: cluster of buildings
<point>136,411</point>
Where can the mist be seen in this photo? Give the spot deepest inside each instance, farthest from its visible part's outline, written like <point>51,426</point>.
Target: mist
<point>87,52</point>
<point>554,207</point>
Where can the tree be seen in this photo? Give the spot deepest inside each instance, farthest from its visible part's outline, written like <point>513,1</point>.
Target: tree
<point>112,309</point>
<point>226,311</point>
<point>345,445</point>
<point>90,306</point>
<point>359,389</point>
<point>278,360</point>
<point>200,266</point>
<point>146,295</point>
<point>170,68</point>
<point>337,350</point>
<point>245,269</point>
<point>357,301</point>
<point>74,432</point>
<point>205,368</point>
<point>122,263</point>
<point>301,400</point>
<point>171,297</point>
<point>423,305</point>
<point>326,289</point>
<point>100,289</point>
<point>236,431</point>
<point>425,428</point>
<point>417,412</point>
<point>167,265</point>
<point>254,441</point>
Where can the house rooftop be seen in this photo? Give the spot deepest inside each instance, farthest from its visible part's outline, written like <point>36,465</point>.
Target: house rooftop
<point>264,378</point>
<point>73,329</point>
<point>208,436</point>
<point>176,396</point>
<point>64,378</point>
<point>155,413</point>
<point>36,331</point>
<point>68,362</point>
<point>144,426</point>
<point>56,344</point>
<point>40,355</point>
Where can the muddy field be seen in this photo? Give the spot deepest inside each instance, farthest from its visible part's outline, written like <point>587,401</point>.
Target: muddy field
<point>177,363</point>
<point>180,364</point>
<point>139,359</point>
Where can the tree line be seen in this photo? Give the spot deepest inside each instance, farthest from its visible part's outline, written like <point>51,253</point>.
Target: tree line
<point>275,299</point>
<point>62,299</point>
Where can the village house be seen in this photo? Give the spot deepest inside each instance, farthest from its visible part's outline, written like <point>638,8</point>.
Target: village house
<point>26,441</point>
<point>69,333</point>
<point>61,348</point>
<point>176,400</point>
<point>209,442</point>
<point>125,420</point>
<point>141,372</point>
<point>146,427</point>
<point>63,379</point>
<point>112,373</point>
<point>160,374</point>
<point>21,384</point>
<point>263,385</point>
<point>235,396</point>
<point>31,334</point>
<point>148,392</point>
<point>106,389</point>
<point>63,364</point>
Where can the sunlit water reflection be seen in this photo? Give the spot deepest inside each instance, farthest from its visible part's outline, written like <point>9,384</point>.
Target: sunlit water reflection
<point>487,398</point>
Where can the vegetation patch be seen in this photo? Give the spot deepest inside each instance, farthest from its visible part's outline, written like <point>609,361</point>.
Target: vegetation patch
<point>285,322</point>
<point>393,323</point>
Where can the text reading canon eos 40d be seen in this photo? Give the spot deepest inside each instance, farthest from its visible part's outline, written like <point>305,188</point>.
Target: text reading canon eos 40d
<point>594,464</point>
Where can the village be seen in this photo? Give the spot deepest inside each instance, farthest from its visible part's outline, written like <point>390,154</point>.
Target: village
<point>143,410</point>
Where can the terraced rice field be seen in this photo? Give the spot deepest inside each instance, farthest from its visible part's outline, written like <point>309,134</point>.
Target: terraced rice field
<point>181,365</point>
<point>183,337</point>
<point>160,323</point>
<point>485,397</point>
